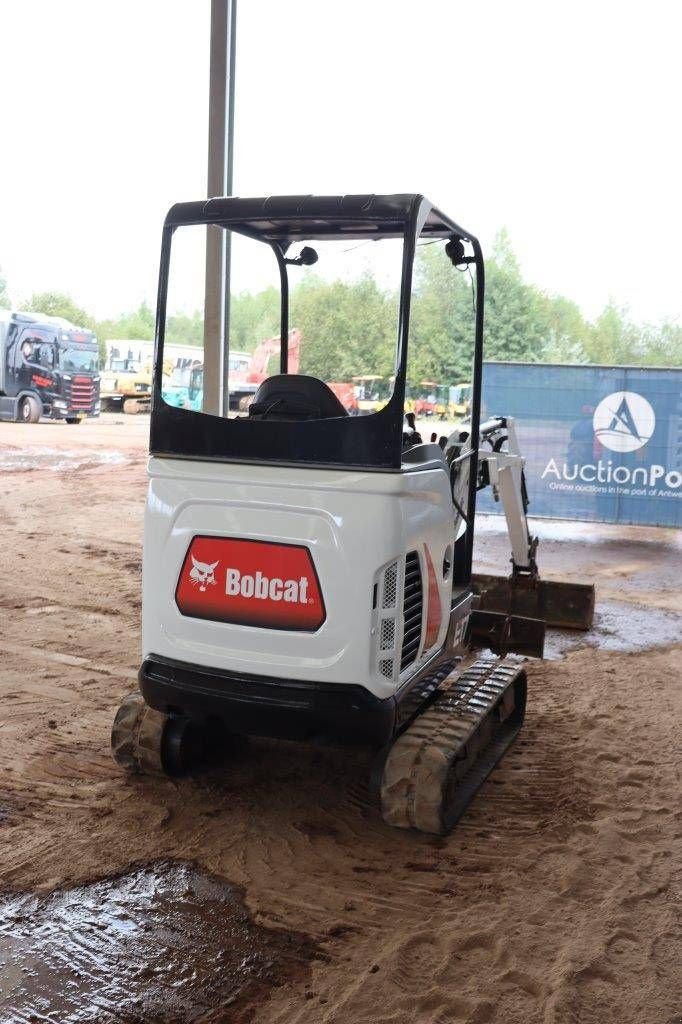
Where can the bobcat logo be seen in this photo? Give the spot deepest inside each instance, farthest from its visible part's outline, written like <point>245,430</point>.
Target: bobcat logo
<point>202,574</point>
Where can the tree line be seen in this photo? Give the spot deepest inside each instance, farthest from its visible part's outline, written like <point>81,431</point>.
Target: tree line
<point>349,328</point>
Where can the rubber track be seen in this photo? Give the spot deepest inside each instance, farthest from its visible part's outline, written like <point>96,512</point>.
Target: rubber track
<point>434,769</point>
<point>137,736</point>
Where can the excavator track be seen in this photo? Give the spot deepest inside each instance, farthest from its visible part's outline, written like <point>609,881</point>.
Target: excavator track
<point>436,766</point>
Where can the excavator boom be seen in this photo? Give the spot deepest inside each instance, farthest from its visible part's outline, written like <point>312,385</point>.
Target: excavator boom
<point>523,593</point>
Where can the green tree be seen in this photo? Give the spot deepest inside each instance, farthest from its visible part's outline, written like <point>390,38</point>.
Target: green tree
<point>614,339</point>
<point>350,328</point>
<point>516,321</point>
<point>347,329</point>
<point>185,329</point>
<point>59,304</point>
<point>138,324</point>
<point>441,320</point>
<point>662,344</point>
<point>253,318</point>
<point>566,331</point>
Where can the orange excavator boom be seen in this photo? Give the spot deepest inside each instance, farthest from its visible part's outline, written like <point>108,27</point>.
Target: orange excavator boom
<point>258,369</point>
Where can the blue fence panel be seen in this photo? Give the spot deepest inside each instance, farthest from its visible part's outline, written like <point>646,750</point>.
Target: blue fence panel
<point>601,443</point>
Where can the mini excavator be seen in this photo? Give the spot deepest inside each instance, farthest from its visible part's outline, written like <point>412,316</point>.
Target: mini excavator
<point>308,574</point>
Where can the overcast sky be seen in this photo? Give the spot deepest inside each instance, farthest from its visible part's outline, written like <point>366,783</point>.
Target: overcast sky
<point>560,121</point>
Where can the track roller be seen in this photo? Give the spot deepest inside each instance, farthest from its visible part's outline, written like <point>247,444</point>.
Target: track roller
<point>436,766</point>
<point>145,740</point>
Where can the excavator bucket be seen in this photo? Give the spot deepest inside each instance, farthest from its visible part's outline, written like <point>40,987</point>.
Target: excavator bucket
<point>563,605</point>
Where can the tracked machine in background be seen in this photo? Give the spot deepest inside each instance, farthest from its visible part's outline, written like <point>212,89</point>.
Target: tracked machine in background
<point>308,574</point>
<point>127,376</point>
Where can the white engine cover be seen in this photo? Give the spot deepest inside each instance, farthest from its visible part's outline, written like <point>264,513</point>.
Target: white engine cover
<point>357,527</point>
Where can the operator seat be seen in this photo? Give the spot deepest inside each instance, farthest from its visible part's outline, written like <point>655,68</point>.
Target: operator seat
<point>295,396</point>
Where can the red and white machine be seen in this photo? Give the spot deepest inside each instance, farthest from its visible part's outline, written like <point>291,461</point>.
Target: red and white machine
<point>308,573</point>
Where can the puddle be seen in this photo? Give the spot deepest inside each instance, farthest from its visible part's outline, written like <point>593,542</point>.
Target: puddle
<point>639,564</point>
<point>618,626</point>
<point>165,943</point>
<point>594,533</point>
<point>25,459</point>
<point>627,559</point>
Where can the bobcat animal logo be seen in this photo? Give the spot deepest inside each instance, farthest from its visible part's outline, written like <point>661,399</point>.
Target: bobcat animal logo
<point>202,574</point>
<point>624,421</point>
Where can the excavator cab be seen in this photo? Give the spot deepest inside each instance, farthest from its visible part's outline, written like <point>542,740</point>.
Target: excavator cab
<point>307,574</point>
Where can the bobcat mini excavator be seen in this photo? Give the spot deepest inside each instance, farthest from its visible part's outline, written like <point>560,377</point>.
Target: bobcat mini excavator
<point>308,574</point>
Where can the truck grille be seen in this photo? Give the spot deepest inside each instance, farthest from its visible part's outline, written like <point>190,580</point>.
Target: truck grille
<point>412,610</point>
<point>82,393</point>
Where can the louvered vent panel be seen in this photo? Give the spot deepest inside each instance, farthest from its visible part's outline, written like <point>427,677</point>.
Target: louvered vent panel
<point>387,636</point>
<point>390,586</point>
<point>412,610</point>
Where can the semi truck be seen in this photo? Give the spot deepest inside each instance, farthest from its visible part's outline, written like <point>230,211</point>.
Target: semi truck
<point>48,367</point>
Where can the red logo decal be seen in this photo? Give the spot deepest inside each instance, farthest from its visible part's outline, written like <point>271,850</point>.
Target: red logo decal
<point>252,583</point>
<point>433,608</point>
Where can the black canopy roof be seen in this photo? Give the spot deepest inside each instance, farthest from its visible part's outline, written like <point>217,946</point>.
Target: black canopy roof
<point>371,442</point>
<point>285,219</point>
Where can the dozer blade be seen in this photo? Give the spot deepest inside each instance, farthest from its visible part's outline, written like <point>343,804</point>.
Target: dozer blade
<point>564,605</point>
<point>437,765</point>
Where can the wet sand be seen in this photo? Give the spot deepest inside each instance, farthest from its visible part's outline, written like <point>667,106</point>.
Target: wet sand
<point>162,942</point>
<point>556,899</point>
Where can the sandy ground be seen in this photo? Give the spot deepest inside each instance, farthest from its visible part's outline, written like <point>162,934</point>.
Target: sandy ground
<point>555,901</point>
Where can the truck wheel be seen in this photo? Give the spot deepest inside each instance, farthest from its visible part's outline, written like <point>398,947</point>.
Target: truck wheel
<point>29,410</point>
<point>73,419</point>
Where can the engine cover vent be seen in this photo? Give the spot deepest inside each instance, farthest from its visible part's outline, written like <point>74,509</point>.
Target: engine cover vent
<point>413,605</point>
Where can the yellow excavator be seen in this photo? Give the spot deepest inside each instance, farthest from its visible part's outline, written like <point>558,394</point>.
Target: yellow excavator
<point>459,403</point>
<point>372,391</point>
<point>126,380</point>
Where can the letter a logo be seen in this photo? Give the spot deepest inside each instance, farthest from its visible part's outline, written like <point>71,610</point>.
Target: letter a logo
<point>624,421</point>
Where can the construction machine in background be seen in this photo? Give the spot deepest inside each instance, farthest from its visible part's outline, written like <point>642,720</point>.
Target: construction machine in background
<point>184,387</point>
<point>442,401</point>
<point>243,386</point>
<point>345,393</point>
<point>126,388</point>
<point>442,404</point>
<point>372,392</point>
<point>127,376</point>
<point>258,371</point>
<point>459,401</point>
<point>180,386</point>
<point>308,574</point>
<point>425,399</point>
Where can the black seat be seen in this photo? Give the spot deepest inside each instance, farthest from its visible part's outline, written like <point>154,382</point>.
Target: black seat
<point>294,396</point>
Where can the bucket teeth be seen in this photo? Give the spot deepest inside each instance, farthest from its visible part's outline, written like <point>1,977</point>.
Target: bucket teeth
<point>435,767</point>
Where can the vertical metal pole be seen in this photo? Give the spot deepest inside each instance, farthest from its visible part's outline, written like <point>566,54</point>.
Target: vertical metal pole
<point>219,183</point>
<point>284,315</point>
<point>229,190</point>
<point>476,385</point>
